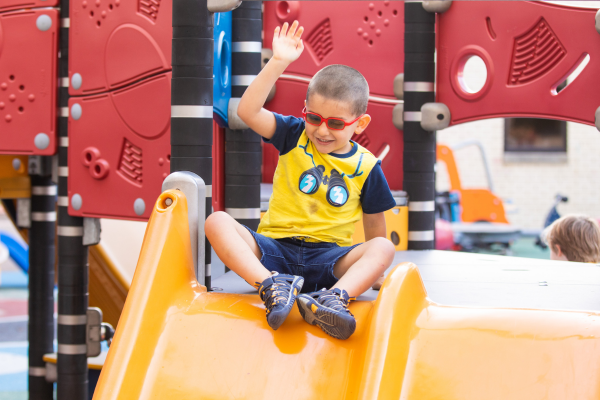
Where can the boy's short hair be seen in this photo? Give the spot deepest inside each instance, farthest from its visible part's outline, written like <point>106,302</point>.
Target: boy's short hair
<point>343,83</point>
<point>578,237</point>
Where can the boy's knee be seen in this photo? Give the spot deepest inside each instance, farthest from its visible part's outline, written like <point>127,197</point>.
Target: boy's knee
<point>216,220</point>
<point>384,247</point>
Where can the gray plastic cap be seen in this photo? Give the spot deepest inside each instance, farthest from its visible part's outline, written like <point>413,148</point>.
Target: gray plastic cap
<point>41,141</point>
<point>597,115</point>
<point>234,121</point>
<point>398,116</point>
<point>76,201</point>
<point>43,22</point>
<point>437,6</point>
<point>16,164</point>
<point>76,81</point>
<point>223,5</point>
<point>265,56</point>
<point>76,111</point>
<point>139,206</point>
<point>435,116</point>
<point>598,21</point>
<point>399,86</point>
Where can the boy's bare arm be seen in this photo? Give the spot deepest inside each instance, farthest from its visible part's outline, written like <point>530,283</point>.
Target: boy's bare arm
<point>287,47</point>
<point>374,226</point>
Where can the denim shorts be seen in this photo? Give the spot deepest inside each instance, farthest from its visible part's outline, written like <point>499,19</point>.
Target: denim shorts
<point>313,261</point>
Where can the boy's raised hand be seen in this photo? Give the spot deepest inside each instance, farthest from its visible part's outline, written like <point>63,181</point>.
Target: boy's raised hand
<point>287,44</point>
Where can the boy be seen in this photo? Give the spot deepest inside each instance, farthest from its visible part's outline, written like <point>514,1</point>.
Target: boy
<point>574,238</point>
<point>322,184</point>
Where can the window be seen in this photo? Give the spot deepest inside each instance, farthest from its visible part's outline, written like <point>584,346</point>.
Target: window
<point>535,139</point>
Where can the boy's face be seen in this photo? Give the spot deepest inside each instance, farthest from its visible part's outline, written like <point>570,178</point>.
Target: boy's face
<point>328,140</point>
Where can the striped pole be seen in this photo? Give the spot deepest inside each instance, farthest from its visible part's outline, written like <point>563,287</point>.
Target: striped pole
<point>41,283</point>
<point>192,97</point>
<point>72,379</point>
<point>243,153</point>
<point>419,145</point>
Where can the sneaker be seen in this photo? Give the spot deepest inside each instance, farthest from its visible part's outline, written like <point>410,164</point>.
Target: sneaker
<point>329,310</point>
<point>279,293</point>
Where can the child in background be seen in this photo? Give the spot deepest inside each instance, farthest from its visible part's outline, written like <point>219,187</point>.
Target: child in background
<point>323,184</point>
<point>574,238</point>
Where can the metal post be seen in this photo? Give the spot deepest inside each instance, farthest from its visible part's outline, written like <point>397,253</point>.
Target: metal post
<point>41,282</point>
<point>192,97</point>
<point>72,378</point>
<point>243,152</point>
<point>419,144</point>
<point>195,192</point>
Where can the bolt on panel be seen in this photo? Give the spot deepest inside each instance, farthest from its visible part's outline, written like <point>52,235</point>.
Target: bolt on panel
<point>114,43</point>
<point>530,51</point>
<point>8,5</point>
<point>28,62</point>
<point>364,35</point>
<point>119,150</point>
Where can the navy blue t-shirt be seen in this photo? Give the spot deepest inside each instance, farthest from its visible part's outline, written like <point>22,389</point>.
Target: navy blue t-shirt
<point>375,197</point>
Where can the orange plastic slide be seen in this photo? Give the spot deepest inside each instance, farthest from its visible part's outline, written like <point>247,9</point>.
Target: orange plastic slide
<point>177,341</point>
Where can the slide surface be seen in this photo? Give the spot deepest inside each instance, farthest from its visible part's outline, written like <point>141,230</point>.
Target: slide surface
<point>175,340</point>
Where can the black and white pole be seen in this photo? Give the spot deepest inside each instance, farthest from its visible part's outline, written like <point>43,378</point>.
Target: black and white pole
<point>41,281</point>
<point>72,370</point>
<point>243,152</point>
<point>192,97</point>
<point>419,144</point>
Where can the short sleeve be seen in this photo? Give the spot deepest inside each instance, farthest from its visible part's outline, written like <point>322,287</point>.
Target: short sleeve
<point>288,131</point>
<point>376,196</point>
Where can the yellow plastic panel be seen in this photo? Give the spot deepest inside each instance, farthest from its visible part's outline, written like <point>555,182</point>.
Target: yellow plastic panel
<point>177,341</point>
<point>14,184</point>
<point>396,225</point>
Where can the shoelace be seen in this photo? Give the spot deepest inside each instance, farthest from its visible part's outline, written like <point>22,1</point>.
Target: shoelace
<point>276,293</point>
<point>335,300</point>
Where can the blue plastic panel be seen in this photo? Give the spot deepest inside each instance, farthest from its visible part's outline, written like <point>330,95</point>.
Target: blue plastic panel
<point>222,67</point>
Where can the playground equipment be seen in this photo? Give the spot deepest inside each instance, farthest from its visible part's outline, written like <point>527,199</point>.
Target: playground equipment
<point>117,68</point>
<point>175,337</point>
<point>481,222</point>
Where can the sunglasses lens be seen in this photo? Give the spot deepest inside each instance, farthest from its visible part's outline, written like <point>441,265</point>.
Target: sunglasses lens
<point>313,119</point>
<point>336,124</point>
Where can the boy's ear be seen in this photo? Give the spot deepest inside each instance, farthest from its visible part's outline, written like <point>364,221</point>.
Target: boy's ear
<point>363,122</point>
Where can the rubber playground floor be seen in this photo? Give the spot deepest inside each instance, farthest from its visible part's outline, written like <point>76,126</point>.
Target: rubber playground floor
<point>13,322</point>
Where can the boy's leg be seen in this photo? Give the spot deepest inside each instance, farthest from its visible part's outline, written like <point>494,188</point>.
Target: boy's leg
<point>363,265</point>
<point>238,249</point>
<point>357,271</point>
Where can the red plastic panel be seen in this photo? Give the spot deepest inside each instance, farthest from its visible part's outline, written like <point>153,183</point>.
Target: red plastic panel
<point>114,43</point>
<point>368,36</point>
<point>380,137</point>
<point>6,5</point>
<point>218,171</point>
<point>120,145</point>
<point>28,59</point>
<point>529,49</point>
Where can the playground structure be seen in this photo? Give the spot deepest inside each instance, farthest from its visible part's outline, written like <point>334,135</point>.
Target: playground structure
<point>117,142</point>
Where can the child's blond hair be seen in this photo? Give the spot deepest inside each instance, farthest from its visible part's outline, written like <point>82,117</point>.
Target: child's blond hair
<point>578,237</point>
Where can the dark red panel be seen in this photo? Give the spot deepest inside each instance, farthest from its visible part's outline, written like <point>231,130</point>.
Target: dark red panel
<point>529,49</point>
<point>120,146</point>
<point>368,36</point>
<point>218,178</point>
<point>381,133</point>
<point>28,78</point>
<point>6,5</point>
<point>114,43</point>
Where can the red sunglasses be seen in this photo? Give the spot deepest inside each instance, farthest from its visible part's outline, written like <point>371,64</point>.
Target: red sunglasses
<point>337,124</point>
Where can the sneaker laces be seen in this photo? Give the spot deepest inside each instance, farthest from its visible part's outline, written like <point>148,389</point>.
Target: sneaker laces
<point>277,292</point>
<point>335,299</point>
